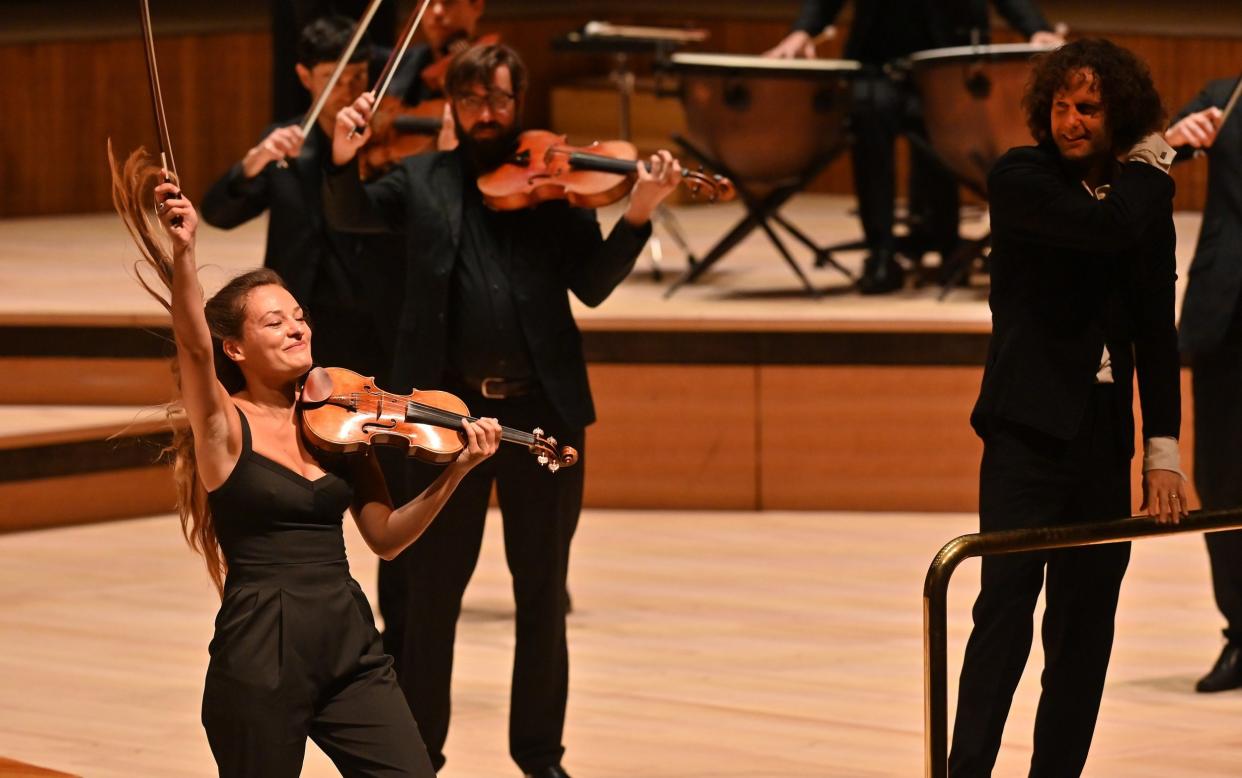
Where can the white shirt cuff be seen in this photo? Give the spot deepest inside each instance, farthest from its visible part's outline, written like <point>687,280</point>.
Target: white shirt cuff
<point>1154,150</point>
<point>1162,454</point>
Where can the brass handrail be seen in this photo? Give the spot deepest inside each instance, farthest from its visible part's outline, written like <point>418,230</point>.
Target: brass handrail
<point>936,587</point>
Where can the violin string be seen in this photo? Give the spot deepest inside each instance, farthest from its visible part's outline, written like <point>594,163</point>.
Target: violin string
<point>452,420</point>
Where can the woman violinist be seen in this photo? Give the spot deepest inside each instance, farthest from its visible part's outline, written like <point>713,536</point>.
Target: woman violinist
<point>295,652</point>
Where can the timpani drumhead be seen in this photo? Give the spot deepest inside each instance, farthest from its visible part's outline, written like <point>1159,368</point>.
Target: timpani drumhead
<point>972,103</point>
<point>767,120</point>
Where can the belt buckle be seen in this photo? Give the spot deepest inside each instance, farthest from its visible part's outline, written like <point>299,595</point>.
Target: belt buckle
<point>489,394</point>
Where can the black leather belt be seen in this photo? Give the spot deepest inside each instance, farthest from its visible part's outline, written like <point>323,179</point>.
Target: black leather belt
<point>496,388</point>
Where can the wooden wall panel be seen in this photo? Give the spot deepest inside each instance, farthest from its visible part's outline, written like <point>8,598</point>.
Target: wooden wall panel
<point>64,99</point>
<point>81,499</point>
<point>67,380</point>
<point>868,438</point>
<point>672,437</point>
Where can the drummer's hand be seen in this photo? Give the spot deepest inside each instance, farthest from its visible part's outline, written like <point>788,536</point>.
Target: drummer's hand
<point>447,139</point>
<point>482,438</point>
<point>1197,129</point>
<point>348,119</point>
<point>170,203</point>
<point>280,143</point>
<point>652,187</point>
<point>796,45</point>
<point>1047,38</point>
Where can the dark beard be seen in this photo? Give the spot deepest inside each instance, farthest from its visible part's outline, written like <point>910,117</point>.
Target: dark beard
<point>488,154</point>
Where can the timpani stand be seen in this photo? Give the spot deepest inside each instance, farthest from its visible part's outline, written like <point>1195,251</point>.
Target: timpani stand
<point>972,108</point>
<point>623,42</point>
<point>771,126</point>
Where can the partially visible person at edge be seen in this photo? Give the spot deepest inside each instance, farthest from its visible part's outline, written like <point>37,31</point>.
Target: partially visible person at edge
<point>348,282</point>
<point>487,316</point>
<point>295,652</point>
<point>1210,334</point>
<point>1083,273</point>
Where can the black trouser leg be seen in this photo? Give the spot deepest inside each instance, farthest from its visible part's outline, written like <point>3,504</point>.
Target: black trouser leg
<point>437,569</point>
<point>874,123</point>
<point>934,202</point>
<point>1216,381</point>
<point>541,512</point>
<point>391,590</point>
<point>1030,480</point>
<point>367,731</point>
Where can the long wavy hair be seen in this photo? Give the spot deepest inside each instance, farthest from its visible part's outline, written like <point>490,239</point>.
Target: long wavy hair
<point>1131,103</point>
<point>132,187</point>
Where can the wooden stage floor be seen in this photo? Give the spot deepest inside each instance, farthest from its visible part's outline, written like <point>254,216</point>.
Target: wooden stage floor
<point>703,645</point>
<point>78,267</point>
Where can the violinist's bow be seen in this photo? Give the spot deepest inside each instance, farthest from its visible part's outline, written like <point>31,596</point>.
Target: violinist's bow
<point>157,101</point>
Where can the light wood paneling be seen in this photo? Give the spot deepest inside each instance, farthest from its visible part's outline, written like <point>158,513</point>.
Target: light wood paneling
<point>105,381</point>
<point>82,499</point>
<point>674,437</point>
<point>868,438</point>
<point>10,768</point>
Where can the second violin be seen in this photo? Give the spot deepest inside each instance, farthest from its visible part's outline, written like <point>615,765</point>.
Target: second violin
<point>544,167</point>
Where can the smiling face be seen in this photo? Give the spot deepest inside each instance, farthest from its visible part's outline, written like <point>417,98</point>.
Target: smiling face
<point>1078,122</point>
<point>275,342</point>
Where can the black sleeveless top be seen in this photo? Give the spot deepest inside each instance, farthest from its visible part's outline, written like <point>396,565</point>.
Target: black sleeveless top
<point>265,513</point>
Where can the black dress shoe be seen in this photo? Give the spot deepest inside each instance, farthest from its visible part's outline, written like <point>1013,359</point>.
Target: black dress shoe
<point>881,274</point>
<point>1226,673</point>
<point>552,771</point>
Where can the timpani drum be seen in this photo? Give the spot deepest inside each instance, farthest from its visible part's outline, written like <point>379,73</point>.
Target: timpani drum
<point>972,103</point>
<point>766,120</point>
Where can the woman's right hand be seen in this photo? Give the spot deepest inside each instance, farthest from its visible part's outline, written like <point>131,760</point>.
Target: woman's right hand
<point>354,119</point>
<point>171,203</point>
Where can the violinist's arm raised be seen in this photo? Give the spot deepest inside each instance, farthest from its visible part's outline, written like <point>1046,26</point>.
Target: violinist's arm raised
<point>348,204</point>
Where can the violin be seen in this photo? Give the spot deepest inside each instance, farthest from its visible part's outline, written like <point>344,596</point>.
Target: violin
<point>399,131</point>
<point>343,413</point>
<point>544,167</point>
<point>433,75</point>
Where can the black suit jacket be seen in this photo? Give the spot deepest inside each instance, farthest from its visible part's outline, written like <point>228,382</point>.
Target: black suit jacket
<point>558,249</point>
<point>1215,280</point>
<point>950,23</point>
<point>300,245</point>
<point>1070,274</point>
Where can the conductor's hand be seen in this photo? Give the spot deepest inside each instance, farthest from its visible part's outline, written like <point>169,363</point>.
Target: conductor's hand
<point>1197,130</point>
<point>652,186</point>
<point>355,119</point>
<point>280,143</point>
<point>482,438</point>
<point>1164,495</point>
<point>173,206</point>
<point>796,45</point>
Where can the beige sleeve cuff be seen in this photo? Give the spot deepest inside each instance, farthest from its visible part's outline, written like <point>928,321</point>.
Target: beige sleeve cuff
<point>1153,150</point>
<point>1162,454</point>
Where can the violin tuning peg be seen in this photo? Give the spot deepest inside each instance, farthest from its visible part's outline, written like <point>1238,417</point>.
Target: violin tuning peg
<point>542,459</point>
<point>537,432</point>
<point>554,466</point>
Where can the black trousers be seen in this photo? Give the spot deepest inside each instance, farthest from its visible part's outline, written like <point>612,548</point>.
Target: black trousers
<point>1028,479</point>
<point>881,111</point>
<point>296,655</point>
<point>421,590</point>
<point>1216,379</point>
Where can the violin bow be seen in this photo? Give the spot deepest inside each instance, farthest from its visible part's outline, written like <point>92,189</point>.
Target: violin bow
<point>1224,115</point>
<point>157,100</point>
<point>394,59</point>
<point>359,31</point>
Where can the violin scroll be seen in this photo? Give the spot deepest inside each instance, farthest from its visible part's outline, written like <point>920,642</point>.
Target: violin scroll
<point>548,455</point>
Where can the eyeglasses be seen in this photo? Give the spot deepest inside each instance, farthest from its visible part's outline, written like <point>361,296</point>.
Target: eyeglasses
<point>497,100</point>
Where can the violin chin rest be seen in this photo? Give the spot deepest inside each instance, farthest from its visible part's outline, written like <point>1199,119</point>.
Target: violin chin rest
<point>318,386</point>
